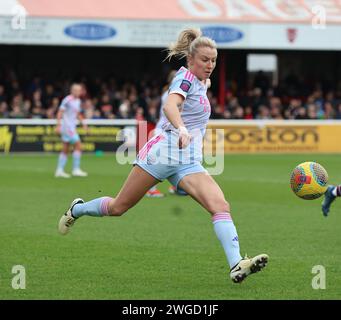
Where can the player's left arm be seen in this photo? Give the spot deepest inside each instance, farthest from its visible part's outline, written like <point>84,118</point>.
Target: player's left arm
<point>81,118</point>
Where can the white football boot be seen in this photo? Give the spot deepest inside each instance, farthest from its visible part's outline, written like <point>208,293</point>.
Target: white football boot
<point>67,220</point>
<point>79,173</point>
<point>247,266</point>
<point>61,174</point>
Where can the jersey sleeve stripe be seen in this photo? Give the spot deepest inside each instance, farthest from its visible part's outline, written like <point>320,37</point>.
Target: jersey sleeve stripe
<point>189,76</point>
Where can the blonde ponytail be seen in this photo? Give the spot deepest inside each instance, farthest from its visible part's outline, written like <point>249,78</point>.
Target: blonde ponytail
<point>181,48</point>
<point>188,42</point>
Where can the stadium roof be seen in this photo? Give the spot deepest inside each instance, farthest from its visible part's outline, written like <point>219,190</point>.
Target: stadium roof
<point>272,11</point>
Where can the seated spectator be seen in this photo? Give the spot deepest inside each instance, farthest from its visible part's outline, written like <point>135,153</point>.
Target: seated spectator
<point>4,113</point>
<point>248,114</point>
<point>238,113</point>
<point>312,111</point>
<point>216,112</point>
<point>27,108</point>
<point>107,111</point>
<point>97,114</point>
<point>301,113</point>
<point>50,113</point>
<point>3,96</point>
<point>37,111</point>
<point>256,99</point>
<point>139,114</point>
<point>52,108</point>
<point>263,113</point>
<point>227,114</point>
<point>124,110</point>
<point>330,97</point>
<point>49,94</point>
<point>329,112</point>
<point>338,111</point>
<point>17,107</point>
<point>88,109</point>
<point>275,102</point>
<point>106,107</point>
<point>292,110</point>
<point>276,112</point>
<point>37,99</point>
<point>16,112</point>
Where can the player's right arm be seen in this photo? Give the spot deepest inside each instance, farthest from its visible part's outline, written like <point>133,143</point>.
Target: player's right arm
<point>59,120</point>
<point>172,109</point>
<point>178,91</point>
<point>60,113</point>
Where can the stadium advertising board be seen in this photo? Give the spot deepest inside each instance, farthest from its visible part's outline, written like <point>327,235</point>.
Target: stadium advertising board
<point>158,34</point>
<point>232,136</point>
<point>41,136</point>
<point>276,136</point>
<point>270,24</point>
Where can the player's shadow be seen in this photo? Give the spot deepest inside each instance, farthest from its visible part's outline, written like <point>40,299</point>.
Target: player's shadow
<point>177,210</point>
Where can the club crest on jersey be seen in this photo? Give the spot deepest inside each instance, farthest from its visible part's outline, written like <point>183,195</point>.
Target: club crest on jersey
<point>185,85</point>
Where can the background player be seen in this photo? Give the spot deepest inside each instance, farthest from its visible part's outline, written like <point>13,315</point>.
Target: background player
<point>68,114</point>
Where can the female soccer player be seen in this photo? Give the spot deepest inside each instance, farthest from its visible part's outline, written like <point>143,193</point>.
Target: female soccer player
<point>68,113</point>
<point>176,155</point>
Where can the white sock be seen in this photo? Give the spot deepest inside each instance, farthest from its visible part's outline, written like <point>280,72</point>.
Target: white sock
<point>334,192</point>
<point>227,234</point>
<point>62,159</point>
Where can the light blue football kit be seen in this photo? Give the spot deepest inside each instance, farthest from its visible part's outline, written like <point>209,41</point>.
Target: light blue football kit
<point>161,156</point>
<point>71,107</point>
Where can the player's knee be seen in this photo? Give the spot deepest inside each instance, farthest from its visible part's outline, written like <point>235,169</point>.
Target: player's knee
<point>118,209</point>
<point>218,205</point>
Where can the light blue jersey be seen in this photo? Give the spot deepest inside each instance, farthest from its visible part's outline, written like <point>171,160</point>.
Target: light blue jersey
<point>161,156</point>
<point>162,118</point>
<point>71,107</point>
<point>196,109</point>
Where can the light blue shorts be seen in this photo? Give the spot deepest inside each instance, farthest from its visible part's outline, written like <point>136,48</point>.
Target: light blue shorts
<point>70,138</point>
<point>162,158</point>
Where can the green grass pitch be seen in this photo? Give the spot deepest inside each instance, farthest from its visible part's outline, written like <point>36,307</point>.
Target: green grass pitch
<point>165,248</point>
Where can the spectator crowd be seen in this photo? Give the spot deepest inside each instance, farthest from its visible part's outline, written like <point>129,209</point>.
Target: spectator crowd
<point>112,99</point>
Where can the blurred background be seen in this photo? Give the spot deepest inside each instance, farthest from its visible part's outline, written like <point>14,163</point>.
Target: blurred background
<point>277,60</point>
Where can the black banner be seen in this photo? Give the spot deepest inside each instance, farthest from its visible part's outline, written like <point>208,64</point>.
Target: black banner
<point>43,137</point>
